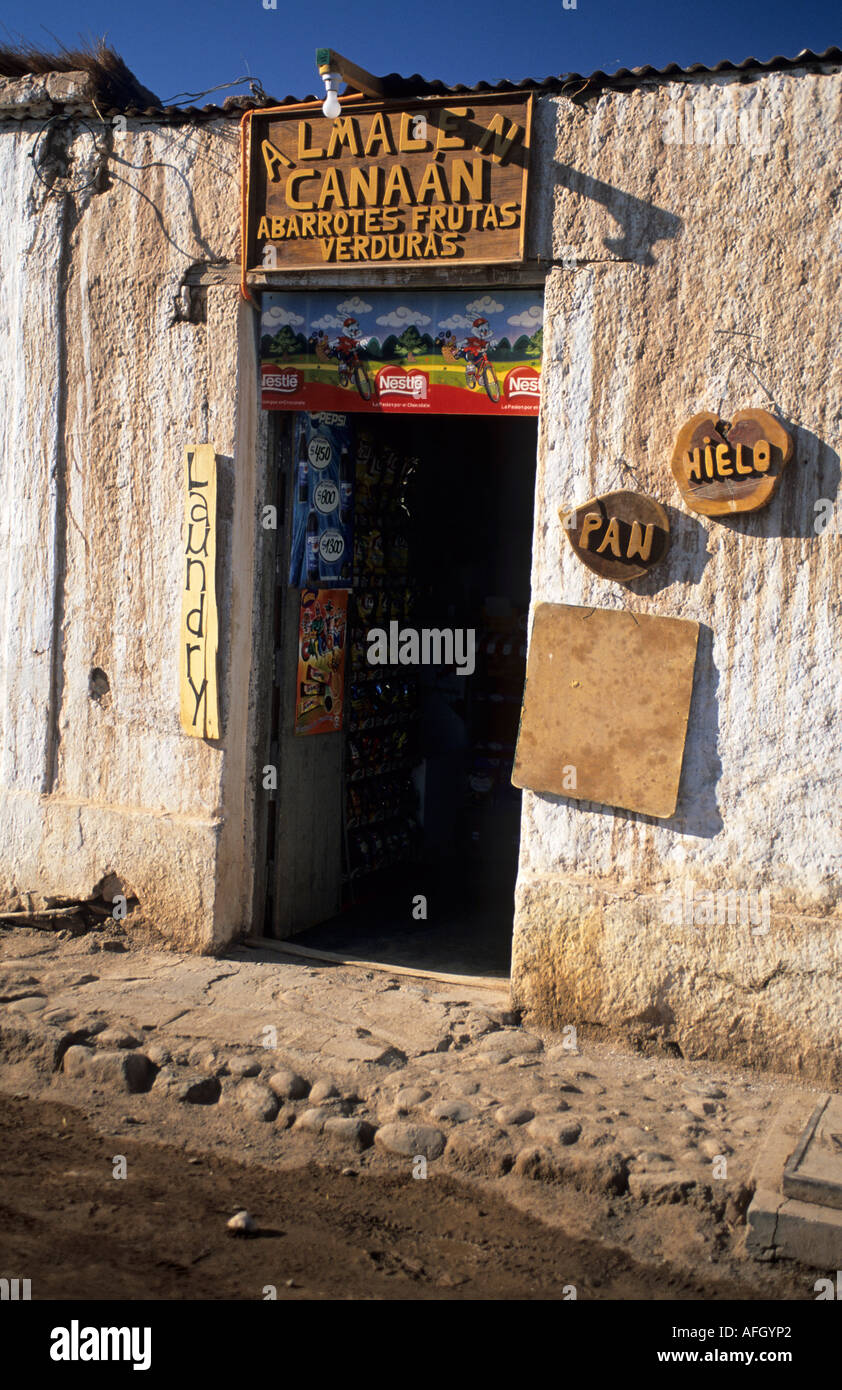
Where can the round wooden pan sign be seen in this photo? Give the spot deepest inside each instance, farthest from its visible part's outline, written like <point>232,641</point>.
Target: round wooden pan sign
<point>723,468</point>
<point>620,535</point>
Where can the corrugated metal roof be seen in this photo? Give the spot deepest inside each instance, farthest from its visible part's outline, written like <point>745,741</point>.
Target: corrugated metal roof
<point>568,84</point>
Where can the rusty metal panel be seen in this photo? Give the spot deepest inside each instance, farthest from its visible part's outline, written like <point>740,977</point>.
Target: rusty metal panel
<point>605,706</point>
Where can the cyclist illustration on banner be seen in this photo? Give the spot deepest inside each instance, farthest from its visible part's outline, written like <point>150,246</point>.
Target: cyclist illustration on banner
<point>475,350</point>
<point>347,349</point>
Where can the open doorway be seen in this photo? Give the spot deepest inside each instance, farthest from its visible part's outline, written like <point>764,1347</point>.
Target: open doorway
<point>431,822</point>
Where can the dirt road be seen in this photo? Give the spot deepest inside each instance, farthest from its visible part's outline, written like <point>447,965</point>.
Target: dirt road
<point>78,1232</point>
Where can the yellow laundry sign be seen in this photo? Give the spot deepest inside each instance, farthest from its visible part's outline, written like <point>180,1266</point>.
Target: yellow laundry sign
<point>199,634</point>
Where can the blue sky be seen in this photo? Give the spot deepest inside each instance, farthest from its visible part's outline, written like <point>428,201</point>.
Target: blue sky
<point>191,45</point>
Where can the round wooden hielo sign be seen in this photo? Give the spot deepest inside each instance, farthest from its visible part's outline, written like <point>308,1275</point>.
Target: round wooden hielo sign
<point>723,468</point>
<point>620,535</point>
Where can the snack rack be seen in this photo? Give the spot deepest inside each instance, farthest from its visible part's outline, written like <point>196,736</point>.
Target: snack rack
<point>381,727</point>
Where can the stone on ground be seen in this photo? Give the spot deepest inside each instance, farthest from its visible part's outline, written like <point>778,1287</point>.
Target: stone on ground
<point>411,1140</point>
<point>288,1085</point>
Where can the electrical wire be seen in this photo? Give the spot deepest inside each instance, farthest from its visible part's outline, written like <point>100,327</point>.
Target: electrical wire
<point>255,87</point>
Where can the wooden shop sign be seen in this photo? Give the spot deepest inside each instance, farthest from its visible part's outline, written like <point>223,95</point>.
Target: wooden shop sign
<point>723,468</point>
<point>620,535</point>
<point>417,183</point>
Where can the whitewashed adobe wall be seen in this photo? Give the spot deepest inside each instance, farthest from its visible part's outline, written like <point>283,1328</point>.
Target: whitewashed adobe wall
<point>669,251</point>
<point>695,273</point>
<point>106,382</point>
<point>104,385</point>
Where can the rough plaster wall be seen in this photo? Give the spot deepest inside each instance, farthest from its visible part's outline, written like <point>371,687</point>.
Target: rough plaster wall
<point>108,387</point>
<point>28,437</point>
<point>235,863</point>
<point>668,256</point>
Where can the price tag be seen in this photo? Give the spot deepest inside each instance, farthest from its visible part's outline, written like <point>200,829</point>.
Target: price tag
<point>319,451</point>
<point>331,546</point>
<point>326,497</point>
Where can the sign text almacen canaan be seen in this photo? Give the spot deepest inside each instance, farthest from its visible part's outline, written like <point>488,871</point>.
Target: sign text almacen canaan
<point>420,183</point>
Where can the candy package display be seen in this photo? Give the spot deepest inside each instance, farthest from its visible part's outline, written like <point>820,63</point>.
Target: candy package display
<point>377,800</point>
<point>371,754</point>
<point>381,699</point>
<point>367,474</point>
<point>374,848</point>
<point>382,702</point>
<point>495,706</point>
<point>320,684</point>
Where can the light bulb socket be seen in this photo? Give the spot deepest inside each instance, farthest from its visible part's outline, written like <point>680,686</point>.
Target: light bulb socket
<point>330,106</point>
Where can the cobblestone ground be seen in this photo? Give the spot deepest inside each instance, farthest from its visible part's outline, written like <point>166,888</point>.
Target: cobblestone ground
<point>271,1060</point>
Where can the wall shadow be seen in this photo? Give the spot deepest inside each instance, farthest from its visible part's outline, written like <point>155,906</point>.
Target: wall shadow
<point>641,224</point>
<point>812,473</point>
<point>685,560</point>
<point>189,201</point>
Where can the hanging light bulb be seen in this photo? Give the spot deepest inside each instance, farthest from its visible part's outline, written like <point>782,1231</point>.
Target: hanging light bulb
<point>331,107</point>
